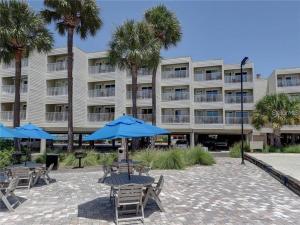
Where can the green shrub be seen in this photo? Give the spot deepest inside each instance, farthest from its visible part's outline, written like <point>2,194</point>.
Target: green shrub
<point>172,159</point>
<point>146,157</point>
<point>291,149</point>
<point>6,157</point>
<point>41,159</point>
<point>198,156</point>
<point>107,158</point>
<point>235,150</point>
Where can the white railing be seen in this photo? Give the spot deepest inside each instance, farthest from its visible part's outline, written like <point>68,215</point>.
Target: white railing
<point>209,119</point>
<point>141,94</point>
<point>237,78</point>
<point>237,99</point>
<point>208,76</point>
<point>12,64</point>
<point>288,83</point>
<point>175,96</point>
<point>101,69</point>
<point>57,66</point>
<point>9,115</point>
<point>104,92</point>
<point>237,120</point>
<point>175,118</point>
<point>145,117</point>
<point>10,89</point>
<point>174,74</point>
<point>144,72</point>
<point>208,98</point>
<point>56,116</point>
<point>54,91</point>
<point>94,117</point>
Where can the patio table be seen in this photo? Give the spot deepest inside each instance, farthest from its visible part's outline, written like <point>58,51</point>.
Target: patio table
<point>117,180</point>
<point>30,165</point>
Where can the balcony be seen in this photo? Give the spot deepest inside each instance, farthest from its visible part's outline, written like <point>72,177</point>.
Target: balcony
<point>237,120</point>
<point>12,65</point>
<point>208,119</point>
<point>288,83</point>
<point>56,116</point>
<point>10,89</point>
<point>55,91</point>
<point>175,96</point>
<point>237,99</point>
<point>57,66</point>
<point>175,118</point>
<point>104,92</point>
<point>141,94</point>
<point>144,72</point>
<point>175,74</point>
<point>208,76</point>
<point>208,98</point>
<point>101,69</point>
<point>143,116</point>
<point>9,115</point>
<point>98,117</point>
<point>237,78</point>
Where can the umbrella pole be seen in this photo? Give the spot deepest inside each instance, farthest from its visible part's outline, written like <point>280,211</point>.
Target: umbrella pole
<point>126,149</point>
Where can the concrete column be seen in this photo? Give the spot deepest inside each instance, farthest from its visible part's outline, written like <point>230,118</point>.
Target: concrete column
<point>80,140</point>
<point>169,140</point>
<point>43,146</point>
<point>92,144</point>
<point>113,142</point>
<point>293,139</point>
<point>192,140</point>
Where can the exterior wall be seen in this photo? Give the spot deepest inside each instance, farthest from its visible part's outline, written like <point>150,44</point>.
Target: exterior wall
<point>38,100</point>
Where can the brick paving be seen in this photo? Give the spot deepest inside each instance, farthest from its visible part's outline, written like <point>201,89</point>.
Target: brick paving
<point>226,193</point>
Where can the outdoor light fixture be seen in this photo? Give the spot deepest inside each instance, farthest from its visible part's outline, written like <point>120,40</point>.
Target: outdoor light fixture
<point>243,62</point>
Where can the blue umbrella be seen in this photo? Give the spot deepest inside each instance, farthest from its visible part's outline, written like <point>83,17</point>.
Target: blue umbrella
<point>6,132</point>
<point>32,131</point>
<point>126,127</point>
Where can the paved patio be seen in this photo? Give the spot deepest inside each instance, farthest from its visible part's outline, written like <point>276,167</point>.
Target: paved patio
<point>226,193</point>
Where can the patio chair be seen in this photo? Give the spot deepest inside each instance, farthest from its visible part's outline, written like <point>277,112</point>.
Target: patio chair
<point>45,174</point>
<point>25,176</point>
<point>123,168</point>
<point>9,191</point>
<point>159,185</point>
<point>106,172</point>
<point>143,170</point>
<point>129,195</point>
<point>153,192</point>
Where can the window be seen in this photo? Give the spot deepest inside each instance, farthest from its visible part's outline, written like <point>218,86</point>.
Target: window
<point>109,109</point>
<point>146,111</point>
<point>110,86</point>
<point>212,113</point>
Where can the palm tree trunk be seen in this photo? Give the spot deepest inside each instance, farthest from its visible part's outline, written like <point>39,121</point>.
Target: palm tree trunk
<point>18,71</point>
<point>277,140</point>
<point>70,88</point>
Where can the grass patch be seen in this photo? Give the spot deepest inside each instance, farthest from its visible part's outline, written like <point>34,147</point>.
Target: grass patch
<point>235,150</point>
<point>286,149</point>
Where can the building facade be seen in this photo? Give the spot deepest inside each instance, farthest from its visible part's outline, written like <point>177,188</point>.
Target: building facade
<point>196,99</point>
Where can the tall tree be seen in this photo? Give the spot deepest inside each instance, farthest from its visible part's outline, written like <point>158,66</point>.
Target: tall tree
<point>167,30</point>
<point>275,111</point>
<point>81,17</point>
<point>21,32</point>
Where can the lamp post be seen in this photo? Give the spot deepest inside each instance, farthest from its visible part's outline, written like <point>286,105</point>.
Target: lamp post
<point>243,62</point>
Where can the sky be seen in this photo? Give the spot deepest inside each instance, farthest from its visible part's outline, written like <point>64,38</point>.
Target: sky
<point>268,32</point>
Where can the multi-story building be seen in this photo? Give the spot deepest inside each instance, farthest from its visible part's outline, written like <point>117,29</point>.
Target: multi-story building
<point>196,99</point>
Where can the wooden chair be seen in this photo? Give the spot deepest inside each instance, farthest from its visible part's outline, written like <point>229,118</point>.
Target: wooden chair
<point>106,172</point>
<point>123,168</point>
<point>45,174</point>
<point>143,170</point>
<point>25,176</point>
<point>153,192</point>
<point>159,185</point>
<point>9,191</point>
<point>129,195</point>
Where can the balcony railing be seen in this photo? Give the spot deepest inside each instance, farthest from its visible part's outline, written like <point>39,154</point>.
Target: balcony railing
<point>10,89</point>
<point>237,78</point>
<point>56,116</point>
<point>237,99</point>
<point>237,120</point>
<point>104,92</point>
<point>54,91</point>
<point>101,69</point>
<point>288,83</point>
<point>174,74</point>
<point>9,115</point>
<point>11,65</point>
<point>145,117</point>
<point>141,94</point>
<point>208,98</point>
<point>208,76</point>
<point>175,118</point>
<point>175,96</point>
<point>208,119</point>
<point>96,117</point>
<point>57,66</point>
<point>144,72</point>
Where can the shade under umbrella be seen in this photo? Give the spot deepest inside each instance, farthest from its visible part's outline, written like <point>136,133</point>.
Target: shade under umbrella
<point>32,131</point>
<point>6,132</point>
<point>126,127</point>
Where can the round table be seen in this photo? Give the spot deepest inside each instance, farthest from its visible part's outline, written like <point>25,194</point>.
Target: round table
<point>122,179</point>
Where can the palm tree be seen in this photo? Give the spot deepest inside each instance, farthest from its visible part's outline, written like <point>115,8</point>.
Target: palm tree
<point>81,17</point>
<point>167,31</point>
<point>275,111</point>
<point>21,32</point>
